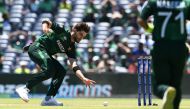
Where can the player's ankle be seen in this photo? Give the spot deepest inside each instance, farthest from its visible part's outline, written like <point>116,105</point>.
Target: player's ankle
<point>48,97</point>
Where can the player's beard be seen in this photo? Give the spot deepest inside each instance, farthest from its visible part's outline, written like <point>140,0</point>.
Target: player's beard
<point>75,38</point>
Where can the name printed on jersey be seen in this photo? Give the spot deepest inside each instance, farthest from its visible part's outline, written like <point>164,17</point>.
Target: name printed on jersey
<point>170,4</point>
<point>60,46</point>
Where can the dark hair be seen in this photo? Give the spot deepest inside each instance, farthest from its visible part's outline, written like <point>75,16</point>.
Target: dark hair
<point>82,27</point>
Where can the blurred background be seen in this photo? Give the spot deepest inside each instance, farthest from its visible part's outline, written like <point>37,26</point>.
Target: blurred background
<point>108,55</point>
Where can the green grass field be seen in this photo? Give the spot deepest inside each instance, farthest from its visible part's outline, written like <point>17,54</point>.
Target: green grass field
<point>85,103</point>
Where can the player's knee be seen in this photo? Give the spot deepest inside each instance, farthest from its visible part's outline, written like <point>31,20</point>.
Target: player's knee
<point>48,72</point>
<point>62,74</point>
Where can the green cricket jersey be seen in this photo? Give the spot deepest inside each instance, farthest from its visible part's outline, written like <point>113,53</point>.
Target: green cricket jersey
<point>58,41</point>
<point>169,18</point>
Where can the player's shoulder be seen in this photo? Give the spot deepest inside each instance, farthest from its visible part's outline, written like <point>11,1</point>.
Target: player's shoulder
<point>150,2</point>
<point>187,2</point>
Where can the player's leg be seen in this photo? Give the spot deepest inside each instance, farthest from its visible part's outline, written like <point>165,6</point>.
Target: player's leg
<point>176,83</point>
<point>161,77</point>
<point>45,61</point>
<point>41,58</point>
<point>55,85</point>
<point>178,64</point>
<point>57,79</point>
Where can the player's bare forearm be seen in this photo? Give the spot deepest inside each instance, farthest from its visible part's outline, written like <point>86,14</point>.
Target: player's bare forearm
<point>78,72</point>
<point>73,64</point>
<point>80,75</point>
<point>85,80</point>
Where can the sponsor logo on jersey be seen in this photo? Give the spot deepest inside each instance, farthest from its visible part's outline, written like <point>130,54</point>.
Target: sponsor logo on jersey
<point>60,46</point>
<point>170,4</point>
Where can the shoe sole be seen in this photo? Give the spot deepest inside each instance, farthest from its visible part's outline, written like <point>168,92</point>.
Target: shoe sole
<point>169,98</point>
<point>21,97</point>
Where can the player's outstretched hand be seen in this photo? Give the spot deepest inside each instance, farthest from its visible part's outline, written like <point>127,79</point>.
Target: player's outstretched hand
<point>88,82</point>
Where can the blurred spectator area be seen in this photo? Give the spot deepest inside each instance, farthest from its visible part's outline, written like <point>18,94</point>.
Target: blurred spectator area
<point>113,44</point>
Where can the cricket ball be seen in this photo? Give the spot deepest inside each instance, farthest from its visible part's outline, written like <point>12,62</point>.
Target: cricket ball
<point>105,103</point>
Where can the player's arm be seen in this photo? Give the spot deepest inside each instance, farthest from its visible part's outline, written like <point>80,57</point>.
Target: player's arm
<point>73,65</point>
<point>142,23</point>
<point>148,27</point>
<point>47,24</point>
<point>147,11</point>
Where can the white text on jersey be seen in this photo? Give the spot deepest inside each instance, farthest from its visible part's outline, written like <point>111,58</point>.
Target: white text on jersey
<point>170,4</point>
<point>60,46</point>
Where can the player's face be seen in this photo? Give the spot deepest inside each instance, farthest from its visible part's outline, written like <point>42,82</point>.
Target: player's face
<point>79,35</point>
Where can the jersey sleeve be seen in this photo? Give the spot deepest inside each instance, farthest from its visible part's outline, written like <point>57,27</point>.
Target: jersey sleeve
<point>188,11</point>
<point>147,10</point>
<point>71,53</point>
<point>57,28</point>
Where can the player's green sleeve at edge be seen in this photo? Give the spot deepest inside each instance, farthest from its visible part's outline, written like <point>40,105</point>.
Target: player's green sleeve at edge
<point>146,12</point>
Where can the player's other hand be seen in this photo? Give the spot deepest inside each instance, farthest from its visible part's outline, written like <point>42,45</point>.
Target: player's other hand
<point>150,28</point>
<point>88,82</point>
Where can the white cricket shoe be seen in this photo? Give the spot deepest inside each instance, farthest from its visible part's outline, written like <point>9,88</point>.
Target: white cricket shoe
<point>168,98</point>
<point>51,102</point>
<point>23,93</point>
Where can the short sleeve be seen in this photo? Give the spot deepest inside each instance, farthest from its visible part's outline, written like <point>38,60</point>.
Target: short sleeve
<point>72,52</point>
<point>188,11</point>
<point>147,10</point>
